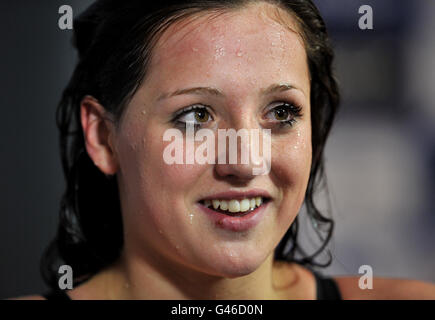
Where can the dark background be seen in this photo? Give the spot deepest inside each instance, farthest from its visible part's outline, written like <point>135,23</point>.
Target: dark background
<point>36,61</point>
<point>380,157</point>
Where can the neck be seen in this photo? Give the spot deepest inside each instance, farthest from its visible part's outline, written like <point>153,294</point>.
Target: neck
<point>134,278</point>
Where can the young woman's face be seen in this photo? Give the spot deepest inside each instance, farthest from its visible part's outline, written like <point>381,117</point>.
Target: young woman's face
<point>240,54</point>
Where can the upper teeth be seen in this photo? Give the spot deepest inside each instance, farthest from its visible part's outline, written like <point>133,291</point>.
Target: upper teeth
<point>235,205</point>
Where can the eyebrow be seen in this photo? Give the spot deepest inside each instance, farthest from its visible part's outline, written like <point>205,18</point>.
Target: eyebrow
<point>213,91</point>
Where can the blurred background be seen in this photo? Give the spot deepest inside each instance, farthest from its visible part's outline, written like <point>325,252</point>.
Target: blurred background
<point>380,158</point>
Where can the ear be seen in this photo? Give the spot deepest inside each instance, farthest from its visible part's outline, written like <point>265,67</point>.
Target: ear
<point>98,131</point>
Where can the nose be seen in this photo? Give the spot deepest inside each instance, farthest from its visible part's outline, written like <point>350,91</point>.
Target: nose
<point>225,164</point>
<point>239,150</point>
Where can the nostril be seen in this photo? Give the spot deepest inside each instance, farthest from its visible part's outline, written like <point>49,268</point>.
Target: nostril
<point>235,173</point>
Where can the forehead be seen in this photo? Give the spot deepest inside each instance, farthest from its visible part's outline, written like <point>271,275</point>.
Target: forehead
<point>253,42</point>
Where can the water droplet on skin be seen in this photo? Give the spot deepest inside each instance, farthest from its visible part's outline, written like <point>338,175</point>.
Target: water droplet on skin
<point>219,52</point>
<point>144,112</point>
<point>239,53</point>
<point>126,285</point>
<point>160,231</point>
<point>298,143</point>
<point>194,49</point>
<point>191,218</point>
<point>177,247</point>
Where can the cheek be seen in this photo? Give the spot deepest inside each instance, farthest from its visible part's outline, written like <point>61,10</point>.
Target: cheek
<point>171,178</point>
<point>153,193</point>
<point>291,164</point>
<point>149,183</point>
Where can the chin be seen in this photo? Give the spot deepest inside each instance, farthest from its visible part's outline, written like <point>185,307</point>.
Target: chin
<point>236,265</point>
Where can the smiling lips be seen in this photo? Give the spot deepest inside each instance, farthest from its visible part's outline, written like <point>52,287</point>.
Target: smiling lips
<point>233,202</point>
<point>234,206</point>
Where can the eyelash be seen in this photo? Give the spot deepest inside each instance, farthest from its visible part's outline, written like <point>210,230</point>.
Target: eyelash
<point>187,110</point>
<point>293,109</point>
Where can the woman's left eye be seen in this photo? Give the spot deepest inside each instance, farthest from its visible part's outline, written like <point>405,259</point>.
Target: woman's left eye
<point>285,113</point>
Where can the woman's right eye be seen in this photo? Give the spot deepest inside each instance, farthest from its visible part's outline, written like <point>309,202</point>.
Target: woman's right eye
<point>196,115</point>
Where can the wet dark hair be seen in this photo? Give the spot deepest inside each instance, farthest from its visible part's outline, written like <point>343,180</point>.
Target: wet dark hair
<point>114,40</point>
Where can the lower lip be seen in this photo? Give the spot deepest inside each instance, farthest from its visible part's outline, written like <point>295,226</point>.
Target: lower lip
<point>235,223</point>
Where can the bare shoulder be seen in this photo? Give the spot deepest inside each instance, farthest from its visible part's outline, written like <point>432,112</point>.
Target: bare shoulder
<point>385,289</point>
<point>32,297</point>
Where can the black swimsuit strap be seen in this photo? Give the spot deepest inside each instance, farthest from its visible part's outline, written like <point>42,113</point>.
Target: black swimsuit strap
<point>327,288</point>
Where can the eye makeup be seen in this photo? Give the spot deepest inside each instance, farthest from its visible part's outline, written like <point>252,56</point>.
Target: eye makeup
<point>290,113</point>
